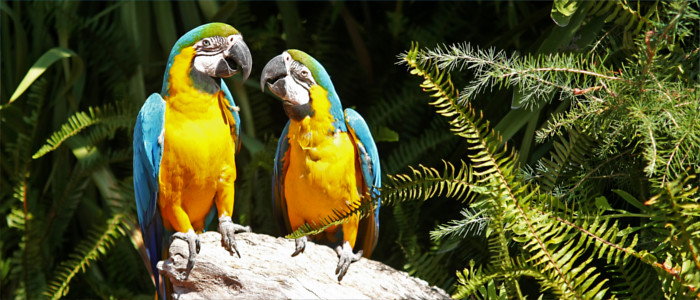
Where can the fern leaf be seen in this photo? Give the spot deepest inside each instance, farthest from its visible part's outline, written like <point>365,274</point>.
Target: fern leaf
<point>426,183</point>
<point>96,245</point>
<point>108,114</point>
<point>474,222</point>
<point>363,209</point>
<point>497,171</point>
<point>410,149</point>
<point>567,158</point>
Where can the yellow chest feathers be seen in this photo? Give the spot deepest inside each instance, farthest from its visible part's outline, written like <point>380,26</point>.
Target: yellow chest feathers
<point>198,143</point>
<point>321,161</point>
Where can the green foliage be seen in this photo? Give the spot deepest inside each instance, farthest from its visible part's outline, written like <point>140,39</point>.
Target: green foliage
<point>113,119</point>
<point>92,248</point>
<point>600,161</point>
<point>562,231</point>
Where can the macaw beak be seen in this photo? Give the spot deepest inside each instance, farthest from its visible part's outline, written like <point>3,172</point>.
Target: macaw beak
<point>275,71</point>
<point>295,97</point>
<point>239,54</point>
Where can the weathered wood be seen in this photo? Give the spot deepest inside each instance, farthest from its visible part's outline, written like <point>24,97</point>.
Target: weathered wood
<point>267,271</point>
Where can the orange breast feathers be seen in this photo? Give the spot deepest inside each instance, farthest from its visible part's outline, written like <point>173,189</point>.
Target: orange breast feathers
<point>198,153</point>
<point>321,176</point>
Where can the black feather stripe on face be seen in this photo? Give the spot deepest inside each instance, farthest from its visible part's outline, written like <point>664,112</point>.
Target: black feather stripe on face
<point>211,45</point>
<point>296,69</point>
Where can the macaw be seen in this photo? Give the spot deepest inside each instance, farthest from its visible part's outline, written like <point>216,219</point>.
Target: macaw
<point>326,159</point>
<point>185,140</point>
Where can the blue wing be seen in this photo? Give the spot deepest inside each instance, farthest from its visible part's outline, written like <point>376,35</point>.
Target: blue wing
<point>234,111</point>
<point>371,173</point>
<point>148,151</point>
<point>279,203</point>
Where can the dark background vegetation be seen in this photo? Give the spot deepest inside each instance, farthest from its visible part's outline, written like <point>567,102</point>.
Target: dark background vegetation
<point>71,214</point>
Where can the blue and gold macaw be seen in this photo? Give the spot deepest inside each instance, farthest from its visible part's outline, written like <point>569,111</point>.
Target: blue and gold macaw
<point>326,159</point>
<point>185,139</point>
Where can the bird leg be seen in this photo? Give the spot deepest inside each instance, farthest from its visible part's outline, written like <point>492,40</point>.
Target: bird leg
<point>192,241</point>
<point>227,229</point>
<point>345,258</point>
<point>300,245</point>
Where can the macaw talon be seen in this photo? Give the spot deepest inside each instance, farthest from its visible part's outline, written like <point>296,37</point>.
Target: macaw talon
<point>345,258</point>
<point>194,245</point>
<point>228,229</point>
<point>299,245</point>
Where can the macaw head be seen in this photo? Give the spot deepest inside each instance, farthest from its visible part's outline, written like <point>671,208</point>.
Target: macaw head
<point>214,50</point>
<point>292,76</point>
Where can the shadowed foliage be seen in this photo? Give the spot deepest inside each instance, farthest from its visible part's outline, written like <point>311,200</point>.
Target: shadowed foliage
<point>552,150</point>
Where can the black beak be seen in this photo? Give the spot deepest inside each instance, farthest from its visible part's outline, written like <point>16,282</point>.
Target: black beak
<point>275,71</point>
<point>240,54</point>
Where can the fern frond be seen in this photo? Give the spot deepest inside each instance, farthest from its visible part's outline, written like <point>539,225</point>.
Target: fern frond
<point>90,163</point>
<point>396,108</point>
<point>473,222</point>
<point>410,149</point>
<point>363,209</point>
<point>27,265</point>
<point>428,265</point>
<point>497,172</point>
<point>678,210</point>
<point>64,206</point>
<point>567,157</point>
<point>98,242</point>
<point>472,279</point>
<point>114,115</point>
<point>425,183</point>
<point>635,281</point>
<point>535,76</point>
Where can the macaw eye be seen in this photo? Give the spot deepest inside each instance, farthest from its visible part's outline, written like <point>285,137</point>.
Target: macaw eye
<point>304,73</point>
<point>206,43</point>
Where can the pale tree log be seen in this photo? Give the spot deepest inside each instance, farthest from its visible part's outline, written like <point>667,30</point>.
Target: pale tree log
<point>266,270</point>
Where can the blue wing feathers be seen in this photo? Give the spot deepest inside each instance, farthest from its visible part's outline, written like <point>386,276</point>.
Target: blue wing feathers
<point>147,156</point>
<point>279,204</point>
<point>369,161</point>
<point>148,151</point>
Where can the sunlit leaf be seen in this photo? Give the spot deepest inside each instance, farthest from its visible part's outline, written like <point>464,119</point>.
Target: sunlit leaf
<point>39,67</point>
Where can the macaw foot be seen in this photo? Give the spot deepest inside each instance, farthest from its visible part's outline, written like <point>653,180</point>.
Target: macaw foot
<point>299,245</point>
<point>227,229</point>
<point>192,241</point>
<point>345,258</point>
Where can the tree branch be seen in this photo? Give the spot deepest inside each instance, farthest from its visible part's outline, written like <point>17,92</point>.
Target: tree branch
<point>267,271</point>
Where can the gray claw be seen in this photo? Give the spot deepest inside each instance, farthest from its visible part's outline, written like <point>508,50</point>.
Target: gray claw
<point>345,258</point>
<point>192,241</point>
<point>299,245</point>
<point>228,229</point>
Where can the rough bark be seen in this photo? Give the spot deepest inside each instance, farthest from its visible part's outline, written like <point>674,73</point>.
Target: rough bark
<point>267,271</point>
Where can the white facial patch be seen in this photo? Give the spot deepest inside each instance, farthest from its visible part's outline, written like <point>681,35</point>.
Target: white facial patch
<point>296,92</point>
<point>233,39</point>
<point>207,64</point>
<point>299,80</point>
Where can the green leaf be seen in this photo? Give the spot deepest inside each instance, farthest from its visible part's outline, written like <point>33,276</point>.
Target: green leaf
<point>602,203</point>
<point>165,25</point>
<point>385,134</point>
<point>39,67</point>
<point>632,200</point>
<point>562,10</point>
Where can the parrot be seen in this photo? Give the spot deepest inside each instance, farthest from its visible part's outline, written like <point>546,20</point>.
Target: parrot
<point>326,160</point>
<point>185,141</point>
